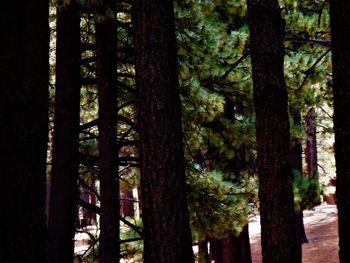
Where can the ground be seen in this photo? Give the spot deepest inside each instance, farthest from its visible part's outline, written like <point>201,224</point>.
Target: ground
<point>321,229</point>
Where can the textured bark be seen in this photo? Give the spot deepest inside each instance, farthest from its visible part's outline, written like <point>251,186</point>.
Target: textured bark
<point>65,163</point>
<point>24,72</point>
<point>278,228</point>
<point>340,23</point>
<point>311,145</point>
<point>167,236</point>
<point>106,44</point>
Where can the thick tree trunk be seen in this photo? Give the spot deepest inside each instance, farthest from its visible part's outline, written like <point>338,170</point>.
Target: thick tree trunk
<point>278,228</point>
<point>340,23</point>
<point>311,145</point>
<point>106,44</point>
<point>65,163</point>
<point>167,235</point>
<point>24,71</point>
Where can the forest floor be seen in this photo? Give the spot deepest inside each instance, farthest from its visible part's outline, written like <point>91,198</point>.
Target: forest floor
<point>321,225</point>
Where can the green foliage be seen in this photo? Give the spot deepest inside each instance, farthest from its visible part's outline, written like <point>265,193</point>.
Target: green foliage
<point>133,249</point>
<point>218,207</point>
<point>307,191</point>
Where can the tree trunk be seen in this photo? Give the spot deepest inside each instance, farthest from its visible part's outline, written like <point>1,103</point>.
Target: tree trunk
<point>203,253</point>
<point>297,166</point>
<point>236,249</point>
<point>167,235</point>
<point>24,71</point>
<point>340,23</point>
<point>311,145</point>
<point>127,201</point>
<point>278,228</point>
<point>65,163</point>
<point>106,44</point>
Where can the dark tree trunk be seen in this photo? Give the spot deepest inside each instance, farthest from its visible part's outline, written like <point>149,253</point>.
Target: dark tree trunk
<point>311,145</point>
<point>106,44</point>
<point>167,235</point>
<point>297,166</point>
<point>278,228</point>
<point>203,253</point>
<point>340,23</point>
<point>89,217</point>
<point>24,74</point>
<point>236,249</point>
<point>65,163</point>
<point>127,201</point>
<point>216,250</point>
<point>296,146</point>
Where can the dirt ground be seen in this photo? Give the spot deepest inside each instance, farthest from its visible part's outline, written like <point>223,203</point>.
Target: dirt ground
<point>322,232</point>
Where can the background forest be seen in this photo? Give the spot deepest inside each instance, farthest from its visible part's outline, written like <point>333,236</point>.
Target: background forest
<point>133,131</point>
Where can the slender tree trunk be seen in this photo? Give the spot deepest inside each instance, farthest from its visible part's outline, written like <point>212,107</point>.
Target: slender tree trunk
<point>127,201</point>
<point>278,228</point>
<point>311,145</point>
<point>203,253</point>
<point>65,163</point>
<point>106,44</point>
<point>167,235</point>
<point>24,71</point>
<point>340,23</point>
<point>297,166</point>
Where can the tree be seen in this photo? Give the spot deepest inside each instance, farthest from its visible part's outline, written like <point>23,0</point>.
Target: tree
<point>311,145</point>
<point>232,248</point>
<point>65,156</point>
<point>297,167</point>
<point>106,44</point>
<point>278,228</point>
<point>24,71</point>
<point>167,236</point>
<point>340,22</point>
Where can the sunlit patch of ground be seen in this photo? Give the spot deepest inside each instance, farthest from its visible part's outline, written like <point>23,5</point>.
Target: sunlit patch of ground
<point>321,229</point>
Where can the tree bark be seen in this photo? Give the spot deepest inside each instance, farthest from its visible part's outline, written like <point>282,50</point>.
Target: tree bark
<point>311,145</point>
<point>340,23</point>
<point>167,235</point>
<point>106,44</point>
<point>24,72</point>
<point>65,157</point>
<point>278,228</point>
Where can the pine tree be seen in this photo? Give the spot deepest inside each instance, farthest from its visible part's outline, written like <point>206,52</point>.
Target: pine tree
<point>24,74</point>
<point>106,36</point>
<point>340,22</point>
<point>65,155</point>
<point>278,228</point>
<point>167,236</point>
